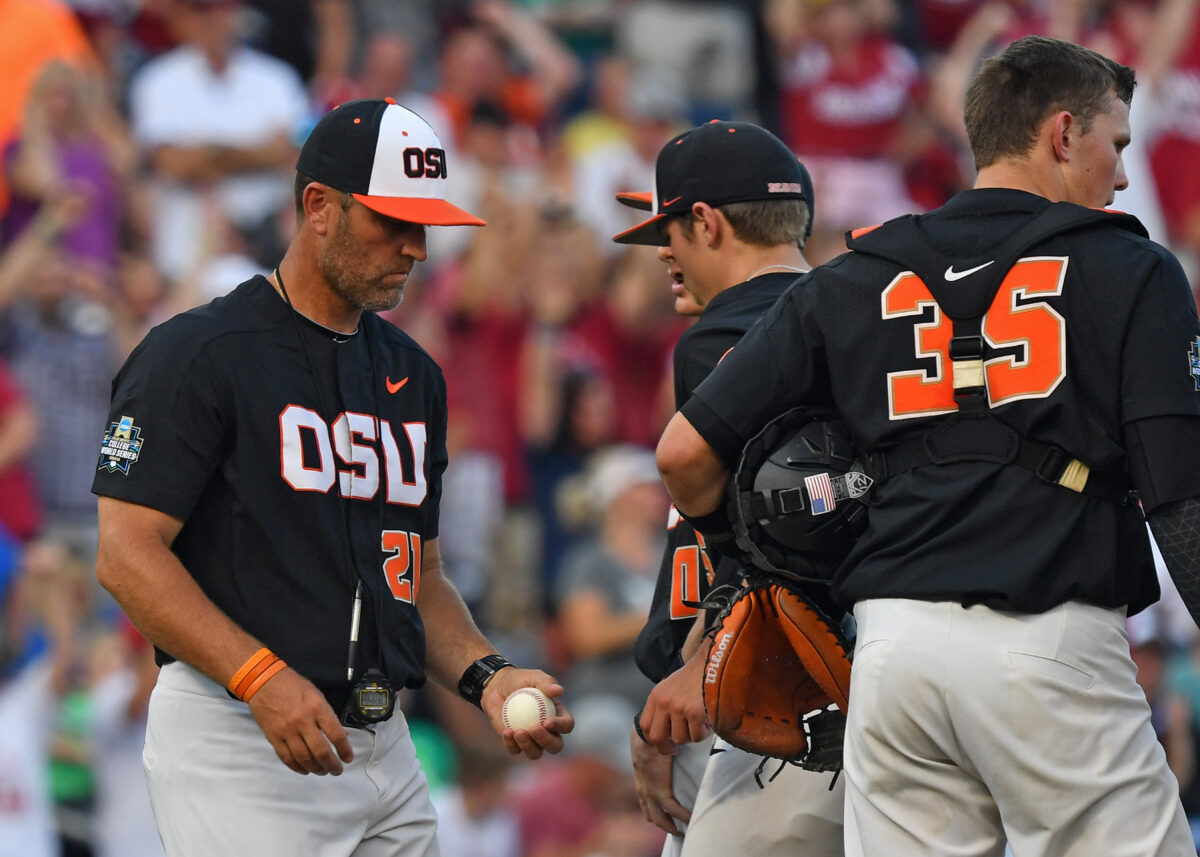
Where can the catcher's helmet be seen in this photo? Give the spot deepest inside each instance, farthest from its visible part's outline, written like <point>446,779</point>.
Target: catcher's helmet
<point>794,498</point>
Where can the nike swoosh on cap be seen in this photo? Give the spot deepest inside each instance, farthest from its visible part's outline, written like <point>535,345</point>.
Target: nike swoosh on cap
<point>669,202</point>
<point>395,388</point>
<point>952,275</point>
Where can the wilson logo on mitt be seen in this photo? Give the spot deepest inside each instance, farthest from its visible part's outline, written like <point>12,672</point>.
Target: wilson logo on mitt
<point>775,667</point>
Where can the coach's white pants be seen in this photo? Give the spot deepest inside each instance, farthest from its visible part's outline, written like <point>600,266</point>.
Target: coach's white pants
<point>218,788</point>
<point>969,725</point>
<point>794,813</point>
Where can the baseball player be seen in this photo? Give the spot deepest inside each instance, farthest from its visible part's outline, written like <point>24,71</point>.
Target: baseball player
<point>1011,365</point>
<point>269,486</point>
<point>732,238</point>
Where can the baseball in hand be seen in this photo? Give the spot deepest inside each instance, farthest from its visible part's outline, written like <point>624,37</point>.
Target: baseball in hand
<point>525,708</point>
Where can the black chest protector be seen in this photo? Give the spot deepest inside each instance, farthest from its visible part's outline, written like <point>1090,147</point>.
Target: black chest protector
<point>974,432</point>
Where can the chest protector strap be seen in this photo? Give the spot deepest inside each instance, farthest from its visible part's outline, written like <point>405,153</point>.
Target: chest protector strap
<point>974,432</point>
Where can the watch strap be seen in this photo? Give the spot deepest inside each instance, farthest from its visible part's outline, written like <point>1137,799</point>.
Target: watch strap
<point>474,677</point>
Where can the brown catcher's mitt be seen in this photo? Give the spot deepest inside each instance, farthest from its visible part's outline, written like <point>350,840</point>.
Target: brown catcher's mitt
<point>776,666</point>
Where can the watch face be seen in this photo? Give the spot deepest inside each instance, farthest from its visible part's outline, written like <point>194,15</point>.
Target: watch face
<point>373,698</point>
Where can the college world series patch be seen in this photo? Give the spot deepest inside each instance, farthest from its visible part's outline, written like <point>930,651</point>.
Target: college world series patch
<point>1194,361</point>
<point>121,446</point>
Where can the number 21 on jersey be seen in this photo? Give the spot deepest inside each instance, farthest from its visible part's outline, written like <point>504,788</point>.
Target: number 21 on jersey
<point>1019,319</point>
<point>402,568</point>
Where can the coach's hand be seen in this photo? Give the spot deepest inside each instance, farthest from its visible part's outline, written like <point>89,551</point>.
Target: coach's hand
<point>547,735</point>
<point>300,725</point>
<point>652,776</point>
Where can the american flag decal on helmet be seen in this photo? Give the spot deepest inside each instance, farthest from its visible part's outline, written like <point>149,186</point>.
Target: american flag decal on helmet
<point>820,493</point>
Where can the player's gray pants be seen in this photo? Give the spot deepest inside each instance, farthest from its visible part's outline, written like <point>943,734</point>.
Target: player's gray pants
<point>967,725</point>
<point>218,788</point>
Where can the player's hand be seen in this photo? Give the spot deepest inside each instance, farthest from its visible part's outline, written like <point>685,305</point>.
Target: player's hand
<point>547,735</point>
<point>674,712</point>
<point>300,725</point>
<point>652,776</point>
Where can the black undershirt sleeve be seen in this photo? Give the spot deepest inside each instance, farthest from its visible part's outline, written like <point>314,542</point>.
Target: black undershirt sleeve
<point>1176,529</point>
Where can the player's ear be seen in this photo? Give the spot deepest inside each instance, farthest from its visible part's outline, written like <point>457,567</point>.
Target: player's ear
<point>1063,127</point>
<point>709,222</point>
<point>318,201</point>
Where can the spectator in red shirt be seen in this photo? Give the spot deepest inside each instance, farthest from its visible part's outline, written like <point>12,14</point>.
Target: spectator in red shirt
<point>847,89</point>
<point>20,515</point>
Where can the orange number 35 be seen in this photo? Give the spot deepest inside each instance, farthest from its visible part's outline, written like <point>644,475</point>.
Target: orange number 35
<point>1015,318</point>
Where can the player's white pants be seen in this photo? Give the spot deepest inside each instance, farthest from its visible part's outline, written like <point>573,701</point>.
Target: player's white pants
<point>967,725</point>
<point>796,814</point>
<point>218,788</point>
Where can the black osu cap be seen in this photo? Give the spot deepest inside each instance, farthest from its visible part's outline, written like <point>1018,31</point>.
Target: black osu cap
<point>386,157</point>
<point>717,163</point>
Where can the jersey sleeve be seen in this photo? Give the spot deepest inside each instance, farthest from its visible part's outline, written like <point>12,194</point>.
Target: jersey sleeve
<point>167,425</point>
<point>1161,355</point>
<point>1164,457</point>
<point>774,367</point>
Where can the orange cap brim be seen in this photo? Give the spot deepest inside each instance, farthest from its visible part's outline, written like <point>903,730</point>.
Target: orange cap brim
<point>646,232</point>
<point>641,200</point>
<point>429,212</point>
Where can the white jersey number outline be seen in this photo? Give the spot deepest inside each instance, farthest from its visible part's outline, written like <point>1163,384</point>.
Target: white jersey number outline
<point>1018,316</point>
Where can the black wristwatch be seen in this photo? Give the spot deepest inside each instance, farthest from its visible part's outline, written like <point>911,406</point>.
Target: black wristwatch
<point>470,686</point>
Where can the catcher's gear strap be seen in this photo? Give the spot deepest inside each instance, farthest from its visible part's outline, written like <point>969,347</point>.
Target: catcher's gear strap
<point>986,438</point>
<point>1176,529</point>
<point>965,299</point>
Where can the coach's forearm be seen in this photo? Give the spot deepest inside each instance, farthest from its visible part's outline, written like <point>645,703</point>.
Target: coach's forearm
<point>452,639</point>
<point>135,564</point>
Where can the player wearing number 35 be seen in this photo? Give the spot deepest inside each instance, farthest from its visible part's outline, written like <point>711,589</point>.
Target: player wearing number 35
<point>269,483</point>
<point>1018,369</point>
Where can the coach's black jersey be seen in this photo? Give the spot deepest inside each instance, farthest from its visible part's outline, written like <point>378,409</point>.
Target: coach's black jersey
<point>291,487</point>
<point>687,569</point>
<point>1091,331</point>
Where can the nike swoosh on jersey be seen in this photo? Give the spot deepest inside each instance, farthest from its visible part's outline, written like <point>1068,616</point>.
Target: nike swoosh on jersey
<point>395,388</point>
<point>952,275</point>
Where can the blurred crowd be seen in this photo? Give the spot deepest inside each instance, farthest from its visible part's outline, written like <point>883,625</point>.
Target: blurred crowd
<point>146,155</point>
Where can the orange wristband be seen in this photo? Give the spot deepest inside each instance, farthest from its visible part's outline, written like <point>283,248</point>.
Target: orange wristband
<point>254,660</point>
<point>259,669</point>
<point>269,673</point>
